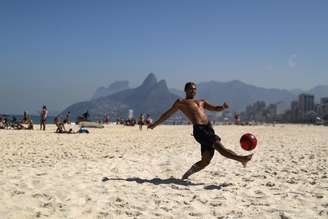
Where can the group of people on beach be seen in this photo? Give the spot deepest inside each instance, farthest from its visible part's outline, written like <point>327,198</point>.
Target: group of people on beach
<point>141,121</point>
<point>26,122</point>
<point>61,129</point>
<point>144,121</point>
<point>59,124</point>
<point>13,123</point>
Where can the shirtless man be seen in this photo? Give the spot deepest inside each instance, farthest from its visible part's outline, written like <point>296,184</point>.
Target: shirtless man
<point>202,128</point>
<point>43,118</point>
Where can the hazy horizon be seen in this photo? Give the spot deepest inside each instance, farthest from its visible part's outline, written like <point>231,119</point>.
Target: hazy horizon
<point>132,85</point>
<point>59,52</point>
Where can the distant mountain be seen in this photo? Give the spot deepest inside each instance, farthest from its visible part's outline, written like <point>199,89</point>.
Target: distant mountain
<point>154,97</point>
<point>239,94</point>
<point>319,92</point>
<point>297,92</point>
<point>177,92</point>
<point>151,96</point>
<point>111,89</point>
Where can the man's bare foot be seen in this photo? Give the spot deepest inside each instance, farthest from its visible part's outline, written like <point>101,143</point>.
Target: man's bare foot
<point>246,159</point>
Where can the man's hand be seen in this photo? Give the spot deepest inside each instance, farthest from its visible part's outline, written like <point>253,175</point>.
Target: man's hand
<point>225,105</point>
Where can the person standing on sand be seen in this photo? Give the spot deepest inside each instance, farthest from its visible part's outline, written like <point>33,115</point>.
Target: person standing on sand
<point>141,121</point>
<point>43,118</point>
<point>149,120</point>
<point>202,128</point>
<point>68,118</point>
<point>25,118</point>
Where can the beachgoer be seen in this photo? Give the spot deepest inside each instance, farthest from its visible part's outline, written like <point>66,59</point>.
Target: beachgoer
<point>60,125</point>
<point>149,120</point>
<point>43,118</point>
<point>83,130</point>
<point>141,121</point>
<point>86,115</point>
<point>62,130</point>
<point>202,128</point>
<point>2,122</point>
<point>106,118</point>
<point>237,118</point>
<point>29,123</point>
<point>68,118</point>
<point>6,123</point>
<point>25,117</point>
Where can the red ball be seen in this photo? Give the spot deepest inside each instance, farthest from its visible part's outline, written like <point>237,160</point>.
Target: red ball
<point>248,141</point>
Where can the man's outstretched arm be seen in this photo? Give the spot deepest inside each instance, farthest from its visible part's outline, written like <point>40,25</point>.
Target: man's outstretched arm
<point>165,115</point>
<point>211,107</point>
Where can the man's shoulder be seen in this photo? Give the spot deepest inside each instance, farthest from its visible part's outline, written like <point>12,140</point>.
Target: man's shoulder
<point>179,100</point>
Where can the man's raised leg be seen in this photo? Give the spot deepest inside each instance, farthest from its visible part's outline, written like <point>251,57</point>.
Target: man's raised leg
<point>231,154</point>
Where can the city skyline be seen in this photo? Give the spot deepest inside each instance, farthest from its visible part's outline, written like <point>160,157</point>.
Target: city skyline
<point>58,53</point>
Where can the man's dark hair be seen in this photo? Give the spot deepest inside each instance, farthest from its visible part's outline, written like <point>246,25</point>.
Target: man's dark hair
<point>188,84</point>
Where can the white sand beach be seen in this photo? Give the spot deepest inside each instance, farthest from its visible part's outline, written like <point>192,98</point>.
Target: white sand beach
<point>48,175</point>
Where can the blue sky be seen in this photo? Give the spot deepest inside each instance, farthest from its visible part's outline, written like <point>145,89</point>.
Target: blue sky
<point>59,52</point>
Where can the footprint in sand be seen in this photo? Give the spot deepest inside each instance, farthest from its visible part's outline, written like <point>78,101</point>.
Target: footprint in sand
<point>247,179</point>
<point>46,205</point>
<point>292,181</point>
<point>323,213</point>
<point>269,184</point>
<point>17,192</point>
<point>166,209</point>
<point>318,196</point>
<point>325,205</point>
<point>217,187</point>
<point>259,193</point>
<point>215,204</point>
<point>179,188</point>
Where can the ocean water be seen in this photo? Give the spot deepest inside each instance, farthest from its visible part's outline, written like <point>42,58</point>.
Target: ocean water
<point>36,119</point>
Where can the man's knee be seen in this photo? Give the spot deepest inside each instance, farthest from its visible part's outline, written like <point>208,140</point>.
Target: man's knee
<point>205,161</point>
<point>201,165</point>
<point>218,146</point>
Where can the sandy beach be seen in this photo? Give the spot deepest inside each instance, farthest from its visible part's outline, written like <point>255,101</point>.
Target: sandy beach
<point>48,175</point>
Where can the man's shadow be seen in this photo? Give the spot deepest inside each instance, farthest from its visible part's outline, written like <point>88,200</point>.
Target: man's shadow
<point>171,180</point>
<point>155,181</point>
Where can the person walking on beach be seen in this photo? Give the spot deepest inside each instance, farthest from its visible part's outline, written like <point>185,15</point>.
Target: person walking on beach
<point>43,118</point>
<point>202,128</point>
<point>141,121</point>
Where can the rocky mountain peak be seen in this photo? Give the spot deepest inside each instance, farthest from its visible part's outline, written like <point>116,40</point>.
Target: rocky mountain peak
<point>150,81</point>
